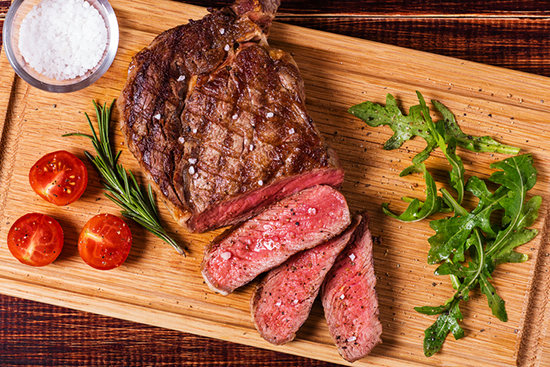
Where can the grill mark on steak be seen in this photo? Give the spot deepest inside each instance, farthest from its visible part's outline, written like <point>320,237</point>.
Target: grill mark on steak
<point>349,297</point>
<point>282,301</point>
<point>217,119</point>
<point>298,222</point>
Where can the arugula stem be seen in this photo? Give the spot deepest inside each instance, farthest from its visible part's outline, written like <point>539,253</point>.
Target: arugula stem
<point>458,209</point>
<point>481,254</point>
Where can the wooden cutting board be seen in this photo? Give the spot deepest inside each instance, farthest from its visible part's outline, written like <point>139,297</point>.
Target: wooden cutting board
<point>156,286</point>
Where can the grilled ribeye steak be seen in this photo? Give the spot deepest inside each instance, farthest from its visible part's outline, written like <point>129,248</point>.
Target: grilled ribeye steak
<point>349,297</point>
<point>298,222</point>
<point>217,119</point>
<point>283,299</point>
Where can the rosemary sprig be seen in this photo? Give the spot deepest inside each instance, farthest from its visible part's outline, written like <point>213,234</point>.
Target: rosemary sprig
<point>137,203</point>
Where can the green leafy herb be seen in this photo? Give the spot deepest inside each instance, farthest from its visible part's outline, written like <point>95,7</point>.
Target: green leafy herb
<point>137,203</point>
<point>479,144</point>
<point>406,127</point>
<point>467,246</point>
<point>438,134</point>
<point>488,245</point>
<point>418,210</point>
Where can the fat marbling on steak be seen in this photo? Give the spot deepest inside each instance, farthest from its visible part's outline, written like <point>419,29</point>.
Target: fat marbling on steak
<point>297,222</point>
<point>282,300</point>
<point>217,119</point>
<point>349,297</point>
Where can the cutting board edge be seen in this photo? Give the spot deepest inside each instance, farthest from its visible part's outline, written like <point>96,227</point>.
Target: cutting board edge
<point>183,323</point>
<point>8,77</point>
<point>536,308</point>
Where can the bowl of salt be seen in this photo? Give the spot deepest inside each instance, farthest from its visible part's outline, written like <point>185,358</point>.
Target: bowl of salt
<point>60,45</point>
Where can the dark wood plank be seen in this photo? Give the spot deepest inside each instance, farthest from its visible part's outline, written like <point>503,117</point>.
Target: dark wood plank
<point>515,43</point>
<point>401,7</point>
<point>4,5</point>
<point>355,8</point>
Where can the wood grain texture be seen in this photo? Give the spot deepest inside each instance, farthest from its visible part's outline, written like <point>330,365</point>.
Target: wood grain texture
<point>359,8</point>
<point>513,337</point>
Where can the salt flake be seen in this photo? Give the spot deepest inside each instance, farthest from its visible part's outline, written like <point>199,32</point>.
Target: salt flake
<point>352,339</point>
<point>342,296</point>
<point>269,115</point>
<point>226,255</point>
<point>192,160</point>
<point>191,170</point>
<point>352,257</point>
<point>226,48</point>
<point>157,116</point>
<point>181,78</point>
<point>291,131</point>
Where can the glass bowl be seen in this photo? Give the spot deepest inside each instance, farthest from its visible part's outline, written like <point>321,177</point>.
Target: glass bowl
<point>10,40</point>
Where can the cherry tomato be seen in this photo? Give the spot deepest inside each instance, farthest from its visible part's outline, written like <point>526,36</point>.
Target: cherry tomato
<point>59,177</point>
<point>35,239</point>
<point>105,242</point>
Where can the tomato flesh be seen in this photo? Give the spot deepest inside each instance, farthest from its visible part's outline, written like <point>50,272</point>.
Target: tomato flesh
<point>59,177</point>
<point>35,239</point>
<point>105,242</point>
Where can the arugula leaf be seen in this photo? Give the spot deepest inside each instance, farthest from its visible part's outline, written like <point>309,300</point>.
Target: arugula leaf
<point>417,210</point>
<point>406,127</point>
<point>438,133</point>
<point>479,144</point>
<point>446,323</point>
<point>521,236</point>
<point>519,175</point>
<point>495,302</point>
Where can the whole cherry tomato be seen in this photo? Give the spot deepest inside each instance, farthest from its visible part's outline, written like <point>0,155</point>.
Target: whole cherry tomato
<point>35,239</point>
<point>59,177</point>
<point>105,242</point>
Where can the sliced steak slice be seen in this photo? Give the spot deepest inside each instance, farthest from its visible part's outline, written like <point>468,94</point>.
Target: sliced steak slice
<point>349,297</point>
<point>301,221</point>
<point>217,119</point>
<point>282,301</point>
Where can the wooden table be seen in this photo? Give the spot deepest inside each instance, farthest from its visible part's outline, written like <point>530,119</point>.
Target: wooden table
<point>510,34</point>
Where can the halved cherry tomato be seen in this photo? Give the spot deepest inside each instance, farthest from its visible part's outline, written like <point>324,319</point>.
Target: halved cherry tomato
<point>105,242</point>
<point>59,177</point>
<point>35,239</point>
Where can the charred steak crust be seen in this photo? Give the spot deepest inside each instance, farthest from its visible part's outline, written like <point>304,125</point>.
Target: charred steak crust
<point>298,222</point>
<point>217,119</point>
<point>349,297</point>
<point>282,301</point>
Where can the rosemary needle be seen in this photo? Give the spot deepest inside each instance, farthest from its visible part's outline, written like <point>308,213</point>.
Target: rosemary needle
<point>137,203</point>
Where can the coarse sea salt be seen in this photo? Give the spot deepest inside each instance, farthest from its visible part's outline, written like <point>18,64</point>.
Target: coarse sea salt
<point>63,39</point>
